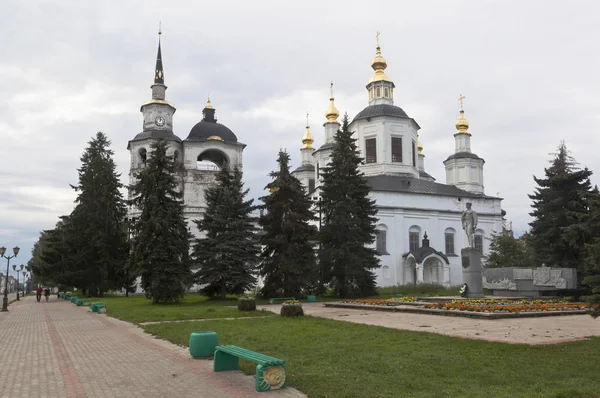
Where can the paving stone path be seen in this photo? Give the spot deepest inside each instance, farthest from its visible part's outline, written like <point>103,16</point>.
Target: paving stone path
<point>56,349</point>
<point>546,330</point>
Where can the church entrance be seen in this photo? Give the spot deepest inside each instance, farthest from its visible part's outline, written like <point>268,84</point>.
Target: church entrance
<point>433,271</point>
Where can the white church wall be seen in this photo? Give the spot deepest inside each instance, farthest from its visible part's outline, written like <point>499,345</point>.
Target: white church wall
<point>433,215</point>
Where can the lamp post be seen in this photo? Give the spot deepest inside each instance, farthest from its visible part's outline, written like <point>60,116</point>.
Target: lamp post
<point>25,274</point>
<point>17,270</point>
<point>2,252</point>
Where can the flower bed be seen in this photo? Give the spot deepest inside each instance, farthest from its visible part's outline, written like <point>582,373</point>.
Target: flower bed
<point>539,306</point>
<point>510,302</point>
<point>387,302</point>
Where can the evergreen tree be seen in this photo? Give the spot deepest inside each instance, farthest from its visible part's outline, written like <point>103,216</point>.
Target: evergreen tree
<point>348,221</point>
<point>508,251</point>
<point>559,201</point>
<point>97,224</point>
<point>160,242</point>
<point>49,257</point>
<point>589,231</point>
<point>288,262</point>
<point>227,255</point>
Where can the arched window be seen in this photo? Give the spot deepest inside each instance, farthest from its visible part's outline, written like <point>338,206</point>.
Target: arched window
<point>142,153</point>
<point>414,236</point>
<point>478,240</point>
<point>176,156</point>
<point>449,239</point>
<point>378,92</point>
<point>211,160</point>
<point>381,240</point>
<point>386,92</point>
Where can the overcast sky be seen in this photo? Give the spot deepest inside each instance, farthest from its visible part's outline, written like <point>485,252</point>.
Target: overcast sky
<point>529,71</point>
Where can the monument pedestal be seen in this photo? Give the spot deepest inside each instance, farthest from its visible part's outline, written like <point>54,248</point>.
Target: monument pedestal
<point>472,271</point>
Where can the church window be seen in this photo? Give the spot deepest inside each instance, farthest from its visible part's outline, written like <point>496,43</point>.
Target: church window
<point>414,155</point>
<point>397,149</point>
<point>311,185</point>
<point>371,150</point>
<point>449,237</point>
<point>413,241</point>
<point>143,157</point>
<point>386,92</point>
<point>478,243</point>
<point>317,169</point>
<point>176,156</point>
<point>378,92</point>
<point>381,241</point>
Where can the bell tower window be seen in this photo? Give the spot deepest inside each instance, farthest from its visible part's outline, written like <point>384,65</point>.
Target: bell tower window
<point>378,92</point>
<point>386,92</point>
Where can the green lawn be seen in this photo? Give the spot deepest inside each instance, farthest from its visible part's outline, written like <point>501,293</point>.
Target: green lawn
<point>327,358</point>
<point>138,309</point>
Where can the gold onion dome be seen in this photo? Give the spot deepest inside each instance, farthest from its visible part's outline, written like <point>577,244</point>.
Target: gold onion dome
<point>208,104</point>
<point>419,147</point>
<point>332,113</point>
<point>379,64</point>
<point>462,125</point>
<point>307,139</point>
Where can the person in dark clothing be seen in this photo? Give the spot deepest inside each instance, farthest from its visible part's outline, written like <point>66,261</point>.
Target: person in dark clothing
<point>38,293</point>
<point>47,293</point>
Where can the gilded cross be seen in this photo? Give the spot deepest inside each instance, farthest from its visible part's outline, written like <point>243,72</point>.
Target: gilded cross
<point>377,37</point>
<point>331,89</point>
<point>307,118</point>
<point>460,99</point>
<point>159,27</point>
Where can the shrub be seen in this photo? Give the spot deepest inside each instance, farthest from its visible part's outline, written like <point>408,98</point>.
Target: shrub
<point>291,308</point>
<point>246,304</point>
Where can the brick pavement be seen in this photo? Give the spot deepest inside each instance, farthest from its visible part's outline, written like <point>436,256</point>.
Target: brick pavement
<point>56,349</point>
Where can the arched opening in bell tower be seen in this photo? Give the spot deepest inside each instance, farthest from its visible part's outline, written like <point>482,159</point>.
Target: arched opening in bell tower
<point>212,160</point>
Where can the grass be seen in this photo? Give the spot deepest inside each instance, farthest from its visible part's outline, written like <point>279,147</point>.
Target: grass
<point>327,358</point>
<point>138,309</point>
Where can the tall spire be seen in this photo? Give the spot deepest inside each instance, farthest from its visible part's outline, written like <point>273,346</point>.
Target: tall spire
<point>462,125</point>
<point>159,76</point>
<point>332,113</point>
<point>307,139</point>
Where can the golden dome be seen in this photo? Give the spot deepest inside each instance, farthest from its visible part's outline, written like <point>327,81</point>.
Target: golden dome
<point>462,125</point>
<point>307,139</point>
<point>419,147</point>
<point>379,64</point>
<point>208,104</point>
<point>332,113</point>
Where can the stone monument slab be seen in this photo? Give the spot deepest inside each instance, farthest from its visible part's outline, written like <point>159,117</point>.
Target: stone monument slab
<point>472,271</point>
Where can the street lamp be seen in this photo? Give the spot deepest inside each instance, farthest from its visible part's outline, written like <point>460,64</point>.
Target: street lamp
<point>17,271</point>
<point>2,252</point>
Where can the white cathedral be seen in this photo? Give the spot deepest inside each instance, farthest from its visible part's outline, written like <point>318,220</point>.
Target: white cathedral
<point>419,231</point>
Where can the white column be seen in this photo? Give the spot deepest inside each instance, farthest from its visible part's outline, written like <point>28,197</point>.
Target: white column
<point>446,275</point>
<point>419,273</point>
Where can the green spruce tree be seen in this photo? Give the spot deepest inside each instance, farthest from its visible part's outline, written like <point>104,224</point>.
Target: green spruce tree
<point>227,255</point>
<point>588,230</point>
<point>97,224</point>
<point>288,263</point>
<point>348,230</point>
<point>160,242</point>
<point>559,201</point>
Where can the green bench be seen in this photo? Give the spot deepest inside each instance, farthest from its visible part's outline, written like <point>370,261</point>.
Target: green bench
<point>97,306</point>
<point>81,302</point>
<point>270,372</point>
<point>273,300</point>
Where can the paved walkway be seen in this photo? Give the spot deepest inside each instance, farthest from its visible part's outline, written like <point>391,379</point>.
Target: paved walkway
<point>544,330</point>
<point>56,349</point>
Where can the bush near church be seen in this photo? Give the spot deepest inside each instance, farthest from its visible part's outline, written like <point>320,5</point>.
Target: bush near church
<point>246,304</point>
<point>291,308</point>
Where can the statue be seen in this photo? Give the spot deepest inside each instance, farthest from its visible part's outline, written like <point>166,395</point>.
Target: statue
<point>469,223</point>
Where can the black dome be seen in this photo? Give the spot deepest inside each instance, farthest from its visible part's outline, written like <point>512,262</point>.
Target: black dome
<point>158,134</point>
<point>381,110</point>
<point>208,128</point>
<point>203,130</point>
